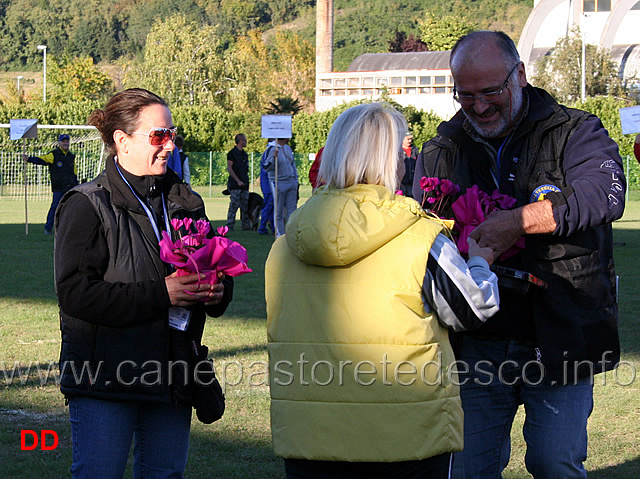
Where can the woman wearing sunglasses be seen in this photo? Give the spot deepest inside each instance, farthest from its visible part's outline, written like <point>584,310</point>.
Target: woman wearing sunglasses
<point>127,321</point>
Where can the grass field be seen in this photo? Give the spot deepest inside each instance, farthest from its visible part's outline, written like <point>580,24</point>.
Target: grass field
<point>239,445</point>
<point>30,83</point>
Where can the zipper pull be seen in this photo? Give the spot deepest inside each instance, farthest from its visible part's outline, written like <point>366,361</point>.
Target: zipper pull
<point>538,355</point>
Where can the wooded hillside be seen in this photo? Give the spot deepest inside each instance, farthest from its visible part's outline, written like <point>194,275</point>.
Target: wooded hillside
<point>117,31</point>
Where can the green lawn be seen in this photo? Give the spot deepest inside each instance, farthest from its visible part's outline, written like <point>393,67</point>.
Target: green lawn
<point>239,444</point>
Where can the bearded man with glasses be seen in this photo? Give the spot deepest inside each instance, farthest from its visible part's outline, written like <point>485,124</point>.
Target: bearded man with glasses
<point>545,344</point>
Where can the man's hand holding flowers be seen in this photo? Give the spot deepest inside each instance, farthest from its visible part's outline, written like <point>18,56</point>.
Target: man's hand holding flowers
<point>502,229</point>
<point>499,231</point>
<point>487,219</point>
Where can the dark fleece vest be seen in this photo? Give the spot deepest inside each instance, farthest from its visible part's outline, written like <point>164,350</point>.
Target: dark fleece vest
<point>126,363</point>
<point>63,176</point>
<point>575,319</point>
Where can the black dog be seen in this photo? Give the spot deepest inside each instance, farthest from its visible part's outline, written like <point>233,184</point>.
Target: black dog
<point>255,206</point>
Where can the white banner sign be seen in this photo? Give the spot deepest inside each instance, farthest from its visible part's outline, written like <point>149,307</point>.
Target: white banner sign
<point>276,126</point>
<point>630,119</point>
<point>19,129</point>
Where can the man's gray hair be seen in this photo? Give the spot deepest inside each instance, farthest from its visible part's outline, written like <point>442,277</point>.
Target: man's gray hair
<point>502,40</point>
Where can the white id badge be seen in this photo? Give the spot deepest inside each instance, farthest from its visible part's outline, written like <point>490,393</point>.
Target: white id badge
<point>179,318</point>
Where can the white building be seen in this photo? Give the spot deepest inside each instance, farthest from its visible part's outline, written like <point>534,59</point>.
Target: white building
<point>423,79</point>
<point>610,24</point>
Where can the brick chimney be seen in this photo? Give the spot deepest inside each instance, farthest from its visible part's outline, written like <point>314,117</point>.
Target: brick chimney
<point>324,36</point>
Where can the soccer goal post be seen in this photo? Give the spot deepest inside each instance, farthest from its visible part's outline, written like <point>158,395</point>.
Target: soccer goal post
<point>85,143</point>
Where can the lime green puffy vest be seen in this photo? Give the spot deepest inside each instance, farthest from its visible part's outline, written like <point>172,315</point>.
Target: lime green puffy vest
<point>358,370</point>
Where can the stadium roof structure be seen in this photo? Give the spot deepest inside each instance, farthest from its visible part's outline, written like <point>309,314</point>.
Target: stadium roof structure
<point>369,62</point>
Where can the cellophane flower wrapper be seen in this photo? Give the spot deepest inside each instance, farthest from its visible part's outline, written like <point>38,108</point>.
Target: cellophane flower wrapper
<point>472,208</point>
<point>194,253</point>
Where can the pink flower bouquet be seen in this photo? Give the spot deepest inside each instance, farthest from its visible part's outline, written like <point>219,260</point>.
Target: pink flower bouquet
<point>195,253</point>
<point>472,208</point>
<point>437,192</point>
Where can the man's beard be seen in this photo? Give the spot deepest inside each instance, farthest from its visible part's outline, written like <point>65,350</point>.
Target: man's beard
<point>505,122</point>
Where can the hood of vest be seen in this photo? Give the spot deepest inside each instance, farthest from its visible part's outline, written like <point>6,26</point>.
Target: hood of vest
<point>337,227</point>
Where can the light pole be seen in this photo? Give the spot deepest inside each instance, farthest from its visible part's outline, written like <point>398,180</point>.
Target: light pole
<point>19,77</point>
<point>43,49</point>
<point>583,60</point>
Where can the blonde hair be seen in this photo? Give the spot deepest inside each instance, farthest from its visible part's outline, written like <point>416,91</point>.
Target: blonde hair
<point>363,146</point>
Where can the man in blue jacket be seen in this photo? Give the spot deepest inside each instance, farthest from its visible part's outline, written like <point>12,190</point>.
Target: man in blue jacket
<point>266,215</point>
<point>546,343</point>
<point>62,170</point>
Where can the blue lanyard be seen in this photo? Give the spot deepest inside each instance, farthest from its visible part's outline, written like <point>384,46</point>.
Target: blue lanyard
<point>498,160</point>
<point>146,209</point>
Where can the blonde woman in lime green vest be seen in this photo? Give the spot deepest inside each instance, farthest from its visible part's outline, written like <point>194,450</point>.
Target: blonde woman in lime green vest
<point>361,293</point>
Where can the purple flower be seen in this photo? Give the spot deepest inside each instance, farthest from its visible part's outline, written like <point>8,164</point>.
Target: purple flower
<point>195,253</point>
<point>176,223</point>
<point>429,184</point>
<point>448,187</point>
<point>436,192</point>
<point>472,208</point>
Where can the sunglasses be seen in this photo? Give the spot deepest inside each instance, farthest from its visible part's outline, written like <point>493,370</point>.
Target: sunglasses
<point>159,136</point>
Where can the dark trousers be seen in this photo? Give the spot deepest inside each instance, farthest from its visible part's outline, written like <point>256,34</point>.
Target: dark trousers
<point>436,467</point>
<point>57,196</point>
<point>266,216</point>
<point>239,200</point>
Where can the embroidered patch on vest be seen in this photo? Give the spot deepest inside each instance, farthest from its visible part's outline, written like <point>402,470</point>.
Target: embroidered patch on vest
<point>540,192</point>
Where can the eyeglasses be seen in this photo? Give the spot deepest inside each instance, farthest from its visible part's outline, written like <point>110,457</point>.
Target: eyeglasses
<point>159,136</point>
<point>487,97</point>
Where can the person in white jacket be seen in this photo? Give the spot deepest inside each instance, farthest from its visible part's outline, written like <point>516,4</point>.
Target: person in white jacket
<point>283,178</point>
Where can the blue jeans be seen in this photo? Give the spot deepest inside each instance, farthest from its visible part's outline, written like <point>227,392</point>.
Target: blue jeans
<point>102,431</point>
<point>266,215</point>
<point>502,375</point>
<point>57,196</point>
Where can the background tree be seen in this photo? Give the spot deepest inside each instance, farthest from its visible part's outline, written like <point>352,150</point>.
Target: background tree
<point>12,96</point>
<point>259,72</point>
<point>140,16</point>
<point>284,105</point>
<point>441,33</point>
<point>293,65</point>
<point>76,79</point>
<point>183,63</point>
<point>402,43</point>
<point>247,67</point>
<point>109,31</point>
<point>560,72</point>
<point>282,11</point>
<point>99,38</point>
<point>508,16</point>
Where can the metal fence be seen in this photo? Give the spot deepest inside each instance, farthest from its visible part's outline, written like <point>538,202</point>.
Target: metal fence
<point>208,168</point>
<point>15,173</point>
